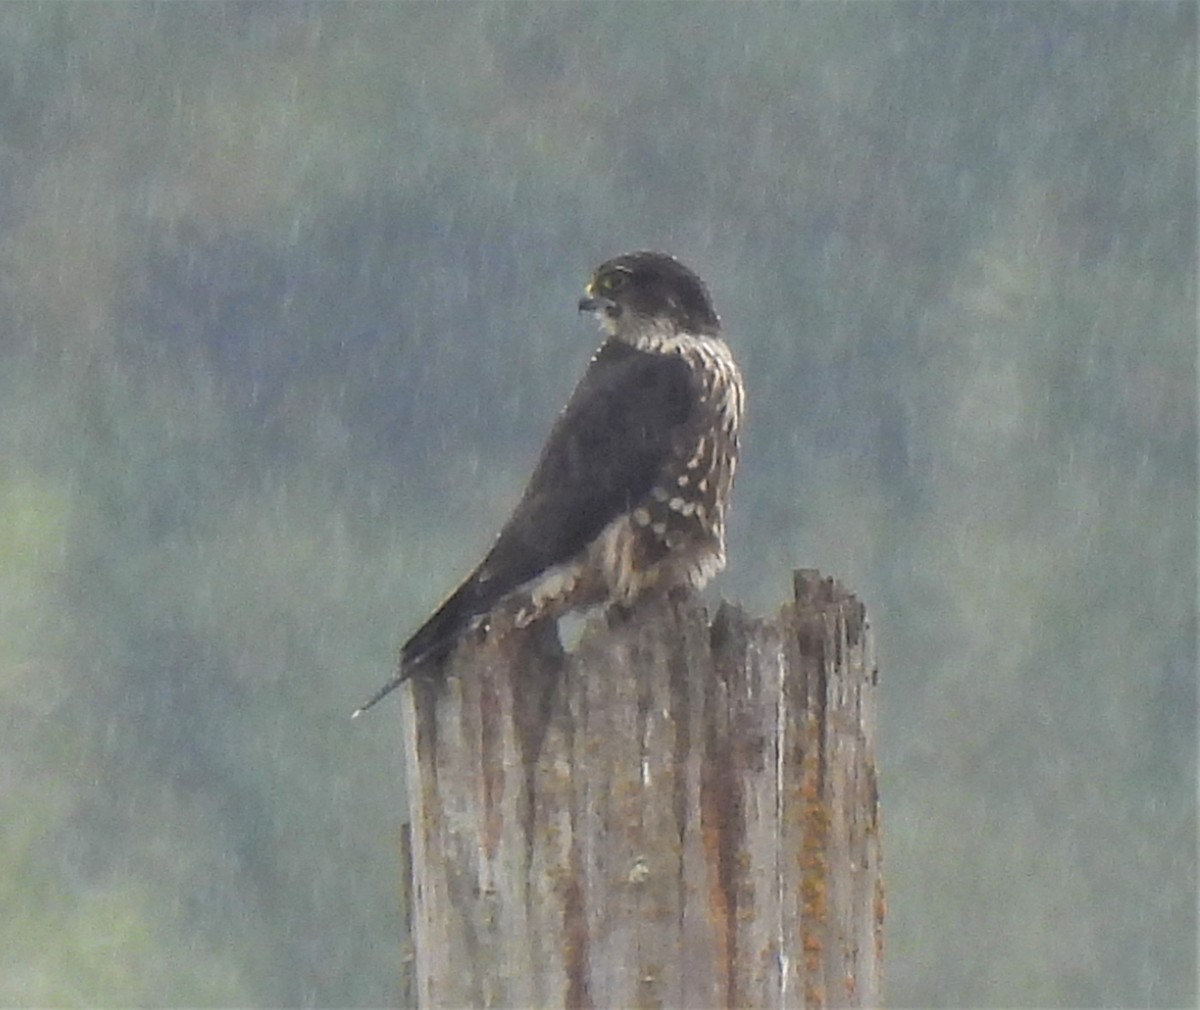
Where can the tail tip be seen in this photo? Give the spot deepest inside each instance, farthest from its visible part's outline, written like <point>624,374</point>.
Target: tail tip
<point>400,677</point>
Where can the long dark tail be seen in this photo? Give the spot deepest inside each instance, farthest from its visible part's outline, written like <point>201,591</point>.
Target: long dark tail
<point>435,638</point>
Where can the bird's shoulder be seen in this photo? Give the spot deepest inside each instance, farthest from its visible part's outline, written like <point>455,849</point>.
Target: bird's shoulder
<point>608,446</point>
<point>623,377</point>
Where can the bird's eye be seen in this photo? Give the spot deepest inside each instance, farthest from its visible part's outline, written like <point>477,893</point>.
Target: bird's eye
<point>611,283</point>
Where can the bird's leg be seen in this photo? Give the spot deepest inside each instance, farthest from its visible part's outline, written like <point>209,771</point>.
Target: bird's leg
<point>681,593</point>
<point>618,614</point>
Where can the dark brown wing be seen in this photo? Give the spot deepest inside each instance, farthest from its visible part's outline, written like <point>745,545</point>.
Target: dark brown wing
<point>603,455</point>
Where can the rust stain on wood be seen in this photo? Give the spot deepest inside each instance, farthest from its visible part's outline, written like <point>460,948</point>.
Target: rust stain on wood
<point>714,807</point>
<point>575,936</point>
<point>491,769</point>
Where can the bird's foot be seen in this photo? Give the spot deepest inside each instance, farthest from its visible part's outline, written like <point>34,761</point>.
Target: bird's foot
<point>618,614</point>
<point>681,593</point>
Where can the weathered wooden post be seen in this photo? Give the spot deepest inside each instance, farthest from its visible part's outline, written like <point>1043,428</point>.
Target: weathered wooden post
<point>681,813</point>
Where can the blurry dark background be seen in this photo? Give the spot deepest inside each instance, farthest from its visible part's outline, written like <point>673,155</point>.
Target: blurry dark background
<point>287,304</point>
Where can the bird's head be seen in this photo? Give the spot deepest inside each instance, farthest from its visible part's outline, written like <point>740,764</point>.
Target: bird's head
<point>643,292</point>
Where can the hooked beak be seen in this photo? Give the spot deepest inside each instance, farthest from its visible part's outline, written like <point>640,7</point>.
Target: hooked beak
<point>597,304</point>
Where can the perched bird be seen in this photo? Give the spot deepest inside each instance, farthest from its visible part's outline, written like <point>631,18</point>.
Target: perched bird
<point>631,489</point>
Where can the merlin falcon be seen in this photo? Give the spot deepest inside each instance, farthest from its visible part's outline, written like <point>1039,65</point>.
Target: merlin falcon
<point>630,493</point>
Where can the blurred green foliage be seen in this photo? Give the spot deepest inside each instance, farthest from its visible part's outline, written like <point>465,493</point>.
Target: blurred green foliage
<point>288,305</point>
